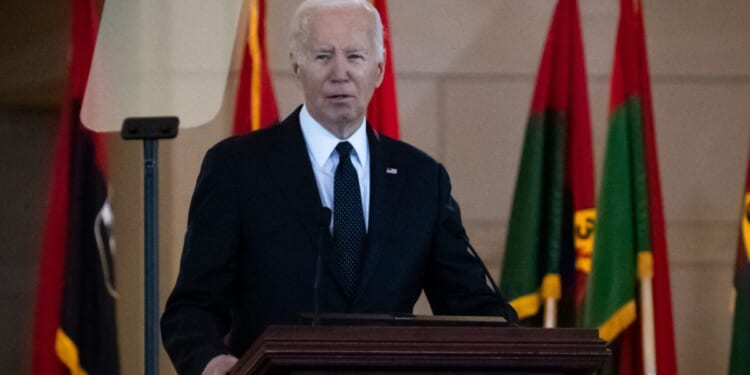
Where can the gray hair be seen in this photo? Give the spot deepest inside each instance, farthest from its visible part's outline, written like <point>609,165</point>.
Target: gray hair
<point>300,27</point>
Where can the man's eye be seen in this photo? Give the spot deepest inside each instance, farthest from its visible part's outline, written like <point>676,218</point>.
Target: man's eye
<point>321,57</point>
<point>356,57</point>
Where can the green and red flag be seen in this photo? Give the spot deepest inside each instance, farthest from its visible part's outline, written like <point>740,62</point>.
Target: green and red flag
<point>628,295</point>
<point>255,106</point>
<point>382,112</point>
<point>739,362</point>
<point>550,234</point>
<point>74,326</point>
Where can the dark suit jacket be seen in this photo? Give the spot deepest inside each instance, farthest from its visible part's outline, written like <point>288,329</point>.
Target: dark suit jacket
<point>253,239</point>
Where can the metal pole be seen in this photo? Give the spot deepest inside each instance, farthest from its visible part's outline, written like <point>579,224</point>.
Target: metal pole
<point>151,256</point>
<point>150,130</point>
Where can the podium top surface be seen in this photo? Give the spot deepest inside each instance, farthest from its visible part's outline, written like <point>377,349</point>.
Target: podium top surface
<point>416,349</point>
<point>334,319</point>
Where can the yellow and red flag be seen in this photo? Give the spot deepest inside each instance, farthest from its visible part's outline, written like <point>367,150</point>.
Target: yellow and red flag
<point>255,106</point>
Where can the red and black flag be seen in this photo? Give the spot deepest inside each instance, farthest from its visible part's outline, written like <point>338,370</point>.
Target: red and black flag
<point>74,327</point>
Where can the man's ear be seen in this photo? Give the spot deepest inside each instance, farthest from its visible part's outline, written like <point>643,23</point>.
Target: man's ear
<point>295,65</point>
<point>295,70</point>
<point>381,72</point>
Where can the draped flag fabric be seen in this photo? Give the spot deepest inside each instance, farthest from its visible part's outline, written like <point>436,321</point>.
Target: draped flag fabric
<point>74,327</point>
<point>630,252</point>
<point>550,235</point>
<point>255,107</point>
<point>739,363</point>
<point>382,112</point>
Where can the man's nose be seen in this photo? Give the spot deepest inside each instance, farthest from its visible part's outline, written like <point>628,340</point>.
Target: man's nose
<point>339,69</point>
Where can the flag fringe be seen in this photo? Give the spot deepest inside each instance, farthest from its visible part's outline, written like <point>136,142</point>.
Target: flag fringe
<point>618,322</point>
<point>527,305</point>
<point>67,351</point>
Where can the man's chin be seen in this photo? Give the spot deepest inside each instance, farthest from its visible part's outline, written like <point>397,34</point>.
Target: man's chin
<point>344,118</point>
<point>342,123</point>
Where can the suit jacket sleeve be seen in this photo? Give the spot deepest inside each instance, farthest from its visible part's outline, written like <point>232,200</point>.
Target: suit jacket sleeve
<point>196,316</point>
<point>455,281</point>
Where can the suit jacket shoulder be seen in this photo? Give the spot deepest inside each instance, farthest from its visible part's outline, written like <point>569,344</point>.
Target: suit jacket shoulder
<point>257,144</point>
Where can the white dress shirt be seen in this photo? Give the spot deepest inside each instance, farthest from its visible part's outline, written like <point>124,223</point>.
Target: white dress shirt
<point>321,145</point>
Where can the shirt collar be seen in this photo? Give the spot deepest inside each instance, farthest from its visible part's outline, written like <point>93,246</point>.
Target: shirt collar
<point>322,142</point>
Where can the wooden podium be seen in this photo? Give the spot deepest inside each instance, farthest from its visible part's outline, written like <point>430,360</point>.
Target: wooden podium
<point>423,349</point>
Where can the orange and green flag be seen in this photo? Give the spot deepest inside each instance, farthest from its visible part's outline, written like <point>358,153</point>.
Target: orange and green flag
<point>255,106</point>
<point>739,362</point>
<point>382,112</point>
<point>630,251</point>
<point>550,234</point>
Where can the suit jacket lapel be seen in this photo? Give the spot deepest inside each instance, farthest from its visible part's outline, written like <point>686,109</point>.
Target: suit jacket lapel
<point>385,192</point>
<point>291,170</point>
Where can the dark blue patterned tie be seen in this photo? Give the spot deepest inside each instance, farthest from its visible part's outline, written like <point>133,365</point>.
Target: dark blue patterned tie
<point>348,219</point>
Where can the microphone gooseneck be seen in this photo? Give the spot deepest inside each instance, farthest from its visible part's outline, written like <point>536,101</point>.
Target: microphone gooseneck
<point>452,224</point>
<point>323,223</point>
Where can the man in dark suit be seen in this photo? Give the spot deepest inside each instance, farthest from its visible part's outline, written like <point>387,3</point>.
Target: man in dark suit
<point>260,231</point>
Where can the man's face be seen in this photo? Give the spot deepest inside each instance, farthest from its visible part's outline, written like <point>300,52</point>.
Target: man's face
<point>339,70</point>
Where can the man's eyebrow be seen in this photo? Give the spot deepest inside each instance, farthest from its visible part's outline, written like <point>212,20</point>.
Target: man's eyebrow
<point>322,49</point>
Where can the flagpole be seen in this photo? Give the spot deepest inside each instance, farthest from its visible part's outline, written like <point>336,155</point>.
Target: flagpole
<point>647,325</point>
<point>150,130</point>
<point>550,313</point>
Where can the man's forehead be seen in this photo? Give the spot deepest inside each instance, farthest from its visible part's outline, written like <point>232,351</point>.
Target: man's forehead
<point>341,38</point>
<point>340,35</point>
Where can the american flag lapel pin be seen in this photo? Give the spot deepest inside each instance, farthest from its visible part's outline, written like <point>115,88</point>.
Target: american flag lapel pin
<point>391,170</point>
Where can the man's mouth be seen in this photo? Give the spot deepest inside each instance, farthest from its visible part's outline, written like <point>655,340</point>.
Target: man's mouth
<point>338,97</point>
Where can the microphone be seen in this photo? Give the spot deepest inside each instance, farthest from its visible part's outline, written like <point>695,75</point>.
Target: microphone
<point>451,222</point>
<point>323,222</point>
